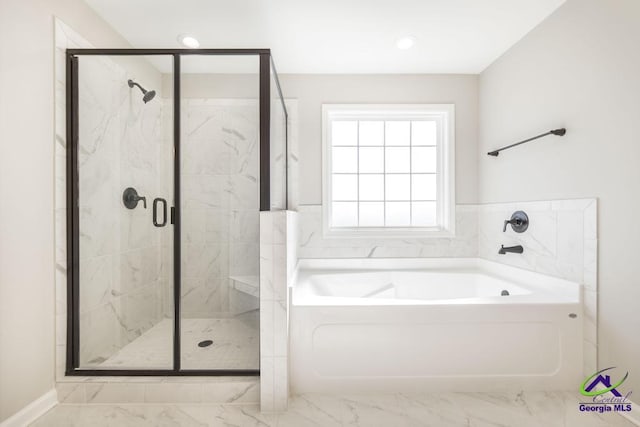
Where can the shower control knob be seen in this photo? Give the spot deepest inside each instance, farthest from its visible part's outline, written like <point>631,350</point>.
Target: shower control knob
<point>130,198</point>
<point>519,222</point>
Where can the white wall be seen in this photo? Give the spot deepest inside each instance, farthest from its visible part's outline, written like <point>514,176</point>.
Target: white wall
<point>580,69</point>
<point>314,90</point>
<point>27,190</point>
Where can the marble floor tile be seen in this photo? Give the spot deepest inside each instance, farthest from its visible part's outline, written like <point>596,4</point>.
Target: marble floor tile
<point>522,409</point>
<point>235,346</point>
<point>155,415</point>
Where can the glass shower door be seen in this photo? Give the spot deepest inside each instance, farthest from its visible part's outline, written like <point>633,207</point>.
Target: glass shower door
<point>219,210</point>
<point>169,163</point>
<point>124,155</point>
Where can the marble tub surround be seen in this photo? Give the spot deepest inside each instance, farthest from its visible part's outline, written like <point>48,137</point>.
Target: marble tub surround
<point>561,241</point>
<point>553,409</point>
<point>313,244</point>
<point>278,245</point>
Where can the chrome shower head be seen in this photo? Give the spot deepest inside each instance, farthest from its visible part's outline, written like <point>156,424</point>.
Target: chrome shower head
<point>146,95</point>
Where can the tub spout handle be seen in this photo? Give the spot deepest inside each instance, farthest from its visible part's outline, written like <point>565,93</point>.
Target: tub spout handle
<point>511,249</point>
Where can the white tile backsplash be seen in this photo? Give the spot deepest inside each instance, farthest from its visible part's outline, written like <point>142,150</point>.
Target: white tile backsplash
<point>554,243</point>
<point>312,243</point>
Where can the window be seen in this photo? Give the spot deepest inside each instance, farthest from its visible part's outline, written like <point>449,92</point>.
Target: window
<point>388,170</point>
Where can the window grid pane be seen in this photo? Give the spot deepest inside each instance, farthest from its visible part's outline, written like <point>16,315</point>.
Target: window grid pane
<point>398,214</point>
<point>344,133</point>
<point>424,133</point>
<point>398,159</point>
<point>345,187</point>
<point>424,186</point>
<point>371,133</point>
<point>345,159</point>
<point>400,194</point>
<point>371,159</point>
<point>424,160</point>
<point>371,214</point>
<point>371,187</point>
<point>397,132</point>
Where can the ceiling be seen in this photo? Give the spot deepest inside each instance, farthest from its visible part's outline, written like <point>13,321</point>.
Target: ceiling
<point>338,36</point>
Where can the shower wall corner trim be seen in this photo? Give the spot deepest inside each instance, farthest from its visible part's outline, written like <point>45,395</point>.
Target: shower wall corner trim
<point>73,237</point>
<point>265,133</point>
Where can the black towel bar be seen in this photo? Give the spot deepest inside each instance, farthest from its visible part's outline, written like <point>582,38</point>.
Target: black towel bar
<point>558,132</point>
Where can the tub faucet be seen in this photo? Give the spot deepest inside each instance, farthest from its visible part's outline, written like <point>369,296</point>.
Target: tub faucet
<point>513,249</point>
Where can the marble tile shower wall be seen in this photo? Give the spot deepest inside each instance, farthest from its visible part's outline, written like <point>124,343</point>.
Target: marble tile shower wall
<point>220,201</point>
<point>119,258</point>
<point>120,262</point>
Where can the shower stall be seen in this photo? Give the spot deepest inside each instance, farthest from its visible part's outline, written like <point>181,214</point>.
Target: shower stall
<point>171,155</point>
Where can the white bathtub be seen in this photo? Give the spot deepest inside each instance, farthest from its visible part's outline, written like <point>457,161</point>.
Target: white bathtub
<point>432,325</point>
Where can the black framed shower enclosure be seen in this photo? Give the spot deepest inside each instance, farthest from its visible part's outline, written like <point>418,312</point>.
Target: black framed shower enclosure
<point>267,90</point>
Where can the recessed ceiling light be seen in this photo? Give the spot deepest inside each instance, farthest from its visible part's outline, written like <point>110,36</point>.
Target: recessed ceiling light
<point>188,40</point>
<point>405,43</point>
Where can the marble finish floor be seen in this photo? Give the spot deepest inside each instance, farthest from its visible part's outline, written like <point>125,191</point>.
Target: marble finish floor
<point>554,409</point>
<point>236,345</point>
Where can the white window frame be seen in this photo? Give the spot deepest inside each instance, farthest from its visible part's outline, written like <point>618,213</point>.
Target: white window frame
<point>445,115</point>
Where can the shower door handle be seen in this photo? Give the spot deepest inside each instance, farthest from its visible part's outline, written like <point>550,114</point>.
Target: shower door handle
<point>157,201</point>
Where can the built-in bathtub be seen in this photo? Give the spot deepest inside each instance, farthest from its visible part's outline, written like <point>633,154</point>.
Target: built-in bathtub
<point>361,325</point>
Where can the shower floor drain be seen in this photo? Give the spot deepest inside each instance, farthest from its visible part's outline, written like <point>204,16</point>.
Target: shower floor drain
<point>205,343</point>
